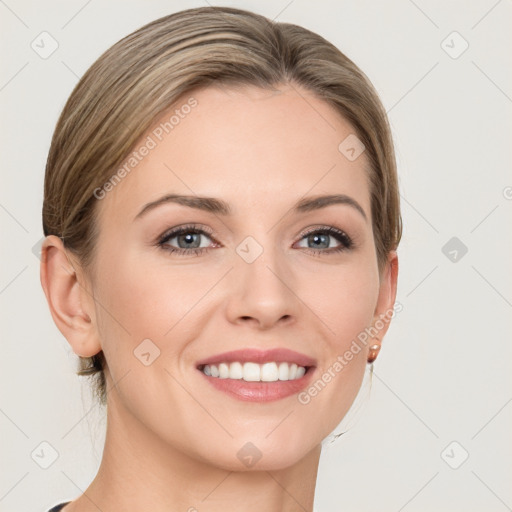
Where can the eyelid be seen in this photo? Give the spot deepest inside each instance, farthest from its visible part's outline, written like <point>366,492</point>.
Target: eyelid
<point>177,230</point>
<point>326,229</point>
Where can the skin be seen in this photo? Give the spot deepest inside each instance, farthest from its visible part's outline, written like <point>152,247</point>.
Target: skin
<point>172,438</point>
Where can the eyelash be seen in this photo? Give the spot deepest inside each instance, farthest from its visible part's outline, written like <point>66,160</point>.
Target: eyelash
<point>346,242</point>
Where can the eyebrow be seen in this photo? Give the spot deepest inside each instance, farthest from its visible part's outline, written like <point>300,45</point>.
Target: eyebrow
<point>218,206</point>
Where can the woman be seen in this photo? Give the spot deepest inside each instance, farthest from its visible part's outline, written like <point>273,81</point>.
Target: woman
<point>221,215</point>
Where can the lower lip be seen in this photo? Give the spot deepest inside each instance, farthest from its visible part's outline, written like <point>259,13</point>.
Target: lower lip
<point>260,391</point>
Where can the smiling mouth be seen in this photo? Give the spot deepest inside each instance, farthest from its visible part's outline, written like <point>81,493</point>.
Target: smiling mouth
<point>255,372</point>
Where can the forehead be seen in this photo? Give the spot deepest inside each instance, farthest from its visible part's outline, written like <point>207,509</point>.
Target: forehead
<point>245,145</point>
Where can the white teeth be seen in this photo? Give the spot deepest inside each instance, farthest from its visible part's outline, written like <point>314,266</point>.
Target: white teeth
<point>269,372</point>
<point>284,371</point>
<point>223,371</point>
<point>236,371</point>
<point>254,372</point>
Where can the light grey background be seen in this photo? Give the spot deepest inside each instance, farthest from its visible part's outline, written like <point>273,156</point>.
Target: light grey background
<point>444,373</point>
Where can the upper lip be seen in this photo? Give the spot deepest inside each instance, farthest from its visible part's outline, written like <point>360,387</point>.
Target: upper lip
<point>254,355</point>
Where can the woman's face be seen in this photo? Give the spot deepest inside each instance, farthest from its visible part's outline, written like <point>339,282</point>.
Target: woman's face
<point>264,275</point>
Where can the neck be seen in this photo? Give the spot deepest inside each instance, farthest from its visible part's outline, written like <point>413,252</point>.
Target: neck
<point>140,471</point>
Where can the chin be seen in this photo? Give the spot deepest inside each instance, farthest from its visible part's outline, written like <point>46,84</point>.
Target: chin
<point>258,453</point>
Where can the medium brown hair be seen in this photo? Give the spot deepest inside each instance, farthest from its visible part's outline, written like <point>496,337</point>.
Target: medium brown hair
<point>145,73</point>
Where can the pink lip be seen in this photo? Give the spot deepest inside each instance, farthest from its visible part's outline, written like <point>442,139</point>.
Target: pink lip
<point>252,355</point>
<point>260,391</point>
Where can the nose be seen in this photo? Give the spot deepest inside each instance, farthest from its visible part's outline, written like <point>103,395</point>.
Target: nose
<point>261,293</point>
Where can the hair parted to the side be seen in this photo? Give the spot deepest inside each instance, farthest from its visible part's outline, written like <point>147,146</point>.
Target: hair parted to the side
<point>139,78</point>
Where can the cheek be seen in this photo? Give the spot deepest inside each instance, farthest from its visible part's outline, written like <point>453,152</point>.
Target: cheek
<point>343,298</point>
<point>150,307</point>
<point>145,301</point>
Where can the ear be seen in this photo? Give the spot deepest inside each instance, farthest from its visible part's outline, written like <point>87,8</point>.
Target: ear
<point>387,295</point>
<point>71,304</point>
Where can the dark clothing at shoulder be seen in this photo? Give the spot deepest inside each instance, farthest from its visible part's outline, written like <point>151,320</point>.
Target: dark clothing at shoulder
<point>58,507</point>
